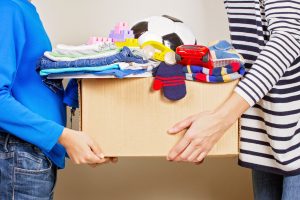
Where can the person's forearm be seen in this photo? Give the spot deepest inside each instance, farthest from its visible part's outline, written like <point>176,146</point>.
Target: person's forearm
<point>232,108</point>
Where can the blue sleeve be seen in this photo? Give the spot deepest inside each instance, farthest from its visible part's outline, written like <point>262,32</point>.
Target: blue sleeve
<point>14,117</point>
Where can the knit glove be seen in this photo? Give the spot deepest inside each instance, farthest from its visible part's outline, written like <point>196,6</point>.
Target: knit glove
<point>171,79</point>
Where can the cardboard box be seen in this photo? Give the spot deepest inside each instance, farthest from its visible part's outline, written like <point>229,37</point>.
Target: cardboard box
<point>127,118</point>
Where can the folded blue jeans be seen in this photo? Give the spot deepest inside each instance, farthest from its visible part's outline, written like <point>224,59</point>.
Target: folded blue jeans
<point>125,55</point>
<point>25,172</point>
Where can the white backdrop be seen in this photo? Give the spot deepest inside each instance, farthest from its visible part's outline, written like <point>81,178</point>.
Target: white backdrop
<point>72,22</point>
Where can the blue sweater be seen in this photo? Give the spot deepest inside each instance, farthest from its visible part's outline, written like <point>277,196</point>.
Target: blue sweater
<point>28,109</point>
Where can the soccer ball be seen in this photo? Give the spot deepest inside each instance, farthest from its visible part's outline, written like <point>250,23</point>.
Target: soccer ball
<point>168,30</point>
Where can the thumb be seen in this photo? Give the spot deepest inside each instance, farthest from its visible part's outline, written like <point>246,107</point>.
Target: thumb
<point>96,149</point>
<point>180,126</point>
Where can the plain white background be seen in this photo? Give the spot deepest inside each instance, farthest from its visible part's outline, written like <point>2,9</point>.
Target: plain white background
<point>72,22</point>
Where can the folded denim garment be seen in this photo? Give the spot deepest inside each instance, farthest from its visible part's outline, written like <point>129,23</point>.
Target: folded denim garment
<point>125,55</point>
<point>54,56</point>
<point>71,94</point>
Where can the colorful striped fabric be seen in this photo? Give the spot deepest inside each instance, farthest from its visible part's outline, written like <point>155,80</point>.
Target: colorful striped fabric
<point>228,73</point>
<point>228,63</point>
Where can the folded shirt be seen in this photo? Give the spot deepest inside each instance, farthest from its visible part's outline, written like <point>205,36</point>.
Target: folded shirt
<point>119,66</point>
<point>46,72</point>
<point>55,56</point>
<point>125,55</point>
<point>117,73</point>
<point>80,75</point>
<point>82,50</point>
<point>150,65</point>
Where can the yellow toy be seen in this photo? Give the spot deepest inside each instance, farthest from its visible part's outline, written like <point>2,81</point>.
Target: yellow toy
<point>129,42</point>
<point>160,50</point>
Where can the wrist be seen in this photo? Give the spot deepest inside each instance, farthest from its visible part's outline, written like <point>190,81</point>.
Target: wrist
<point>230,111</point>
<point>224,117</point>
<point>63,138</point>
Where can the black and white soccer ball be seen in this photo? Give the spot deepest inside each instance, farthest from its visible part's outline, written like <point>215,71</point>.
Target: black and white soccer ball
<point>168,30</point>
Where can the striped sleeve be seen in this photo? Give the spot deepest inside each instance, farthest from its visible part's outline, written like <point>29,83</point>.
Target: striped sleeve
<point>280,52</point>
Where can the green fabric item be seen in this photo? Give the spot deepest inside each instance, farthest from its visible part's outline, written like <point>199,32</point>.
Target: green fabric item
<point>55,54</point>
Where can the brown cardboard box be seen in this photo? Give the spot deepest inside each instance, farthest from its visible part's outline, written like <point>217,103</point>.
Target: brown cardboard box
<point>127,118</point>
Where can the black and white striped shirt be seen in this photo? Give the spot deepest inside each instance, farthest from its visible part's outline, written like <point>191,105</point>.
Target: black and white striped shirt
<point>267,34</point>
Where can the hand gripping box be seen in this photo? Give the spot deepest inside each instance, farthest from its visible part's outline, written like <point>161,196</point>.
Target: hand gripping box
<point>128,119</point>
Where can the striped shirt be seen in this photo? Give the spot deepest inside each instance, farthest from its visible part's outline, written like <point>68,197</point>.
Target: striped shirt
<point>267,34</point>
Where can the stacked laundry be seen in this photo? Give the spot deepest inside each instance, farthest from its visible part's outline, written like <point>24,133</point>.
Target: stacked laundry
<point>98,59</point>
<point>228,65</point>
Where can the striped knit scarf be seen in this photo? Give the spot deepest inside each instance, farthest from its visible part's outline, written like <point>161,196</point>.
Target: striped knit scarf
<point>228,63</point>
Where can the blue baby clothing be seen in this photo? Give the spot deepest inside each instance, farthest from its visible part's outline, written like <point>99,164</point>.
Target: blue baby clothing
<point>71,94</point>
<point>120,73</point>
<point>55,85</point>
<point>46,72</point>
<point>28,109</point>
<point>125,55</point>
<point>111,70</point>
<point>222,49</point>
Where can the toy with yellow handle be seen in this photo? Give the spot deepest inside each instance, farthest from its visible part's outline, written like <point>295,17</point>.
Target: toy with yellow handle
<point>161,50</point>
<point>158,51</point>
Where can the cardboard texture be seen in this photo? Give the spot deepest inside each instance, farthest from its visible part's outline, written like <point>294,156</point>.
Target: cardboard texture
<point>128,119</point>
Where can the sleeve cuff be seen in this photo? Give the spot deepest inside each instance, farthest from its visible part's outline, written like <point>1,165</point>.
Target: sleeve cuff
<point>55,131</point>
<point>245,95</point>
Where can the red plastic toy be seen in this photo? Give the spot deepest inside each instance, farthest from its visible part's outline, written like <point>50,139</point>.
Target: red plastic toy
<point>194,55</point>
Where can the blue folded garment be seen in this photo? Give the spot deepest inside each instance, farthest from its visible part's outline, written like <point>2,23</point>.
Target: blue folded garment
<point>113,72</point>
<point>46,72</point>
<point>125,55</point>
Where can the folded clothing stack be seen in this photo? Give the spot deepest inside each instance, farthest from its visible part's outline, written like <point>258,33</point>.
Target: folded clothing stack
<point>228,63</point>
<point>91,59</point>
<point>101,59</point>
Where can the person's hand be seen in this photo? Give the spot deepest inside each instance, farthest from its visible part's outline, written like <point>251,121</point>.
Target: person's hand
<point>204,130</point>
<point>81,148</point>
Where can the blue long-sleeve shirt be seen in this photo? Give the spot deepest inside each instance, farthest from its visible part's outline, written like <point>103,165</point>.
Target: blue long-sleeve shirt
<point>28,109</point>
